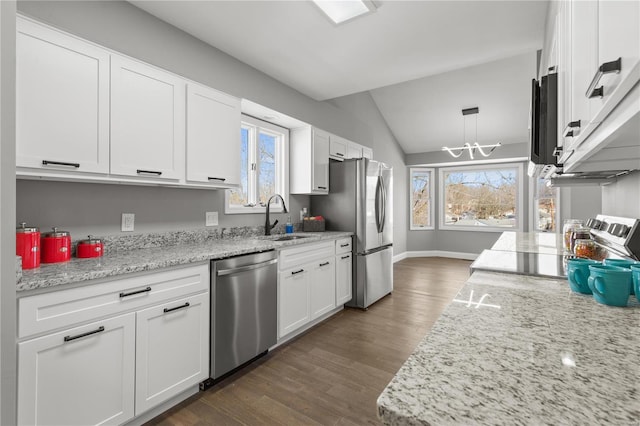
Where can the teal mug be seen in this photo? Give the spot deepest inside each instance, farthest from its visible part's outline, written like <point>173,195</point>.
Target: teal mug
<point>578,274</point>
<point>610,284</point>
<point>623,263</point>
<point>635,275</point>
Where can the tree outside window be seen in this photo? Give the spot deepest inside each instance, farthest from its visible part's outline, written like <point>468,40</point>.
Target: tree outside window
<point>545,202</point>
<point>421,191</point>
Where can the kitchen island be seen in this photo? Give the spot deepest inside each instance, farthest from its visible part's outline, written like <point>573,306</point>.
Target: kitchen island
<point>516,349</point>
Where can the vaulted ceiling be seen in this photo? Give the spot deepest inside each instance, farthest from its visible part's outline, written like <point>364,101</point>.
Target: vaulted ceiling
<point>422,61</point>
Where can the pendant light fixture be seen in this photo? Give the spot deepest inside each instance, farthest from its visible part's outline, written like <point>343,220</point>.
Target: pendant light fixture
<point>456,152</point>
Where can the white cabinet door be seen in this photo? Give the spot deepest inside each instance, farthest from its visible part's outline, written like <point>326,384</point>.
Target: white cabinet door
<point>323,287</point>
<point>337,147</point>
<point>81,376</point>
<point>62,101</point>
<point>343,278</point>
<point>354,150</point>
<point>367,153</point>
<point>147,121</point>
<point>213,136</point>
<point>172,349</point>
<point>293,299</point>
<point>320,174</point>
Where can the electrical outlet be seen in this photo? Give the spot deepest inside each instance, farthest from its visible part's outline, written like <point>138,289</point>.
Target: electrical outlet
<point>211,219</point>
<point>128,220</point>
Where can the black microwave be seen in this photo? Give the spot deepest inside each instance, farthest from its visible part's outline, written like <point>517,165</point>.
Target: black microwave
<point>544,124</point>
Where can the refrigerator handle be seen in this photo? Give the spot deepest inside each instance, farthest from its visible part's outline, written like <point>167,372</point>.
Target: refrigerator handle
<point>383,190</point>
<point>377,202</point>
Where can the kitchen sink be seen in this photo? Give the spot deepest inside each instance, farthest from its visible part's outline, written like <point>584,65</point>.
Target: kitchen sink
<point>290,237</point>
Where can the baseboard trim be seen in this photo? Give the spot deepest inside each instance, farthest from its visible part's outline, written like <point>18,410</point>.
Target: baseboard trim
<point>436,253</point>
<point>399,257</point>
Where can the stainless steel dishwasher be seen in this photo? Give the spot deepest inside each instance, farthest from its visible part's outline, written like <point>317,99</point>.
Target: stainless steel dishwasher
<point>244,316</point>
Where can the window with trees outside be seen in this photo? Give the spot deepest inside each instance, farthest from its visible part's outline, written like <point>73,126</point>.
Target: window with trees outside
<point>545,205</point>
<point>481,198</point>
<point>263,172</point>
<point>420,197</point>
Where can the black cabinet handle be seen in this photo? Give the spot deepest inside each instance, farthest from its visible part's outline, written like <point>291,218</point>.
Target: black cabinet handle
<point>80,336</point>
<point>186,305</point>
<point>144,290</point>
<point>346,257</point>
<point>216,178</point>
<point>339,154</point>
<point>568,131</point>
<point>148,172</point>
<point>60,163</point>
<point>344,245</point>
<point>297,272</point>
<point>606,68</point>
<point>322,187</point>
<point>323,264</point>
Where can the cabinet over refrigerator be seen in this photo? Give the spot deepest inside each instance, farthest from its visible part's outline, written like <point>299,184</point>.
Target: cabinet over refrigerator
<point>360,200</point>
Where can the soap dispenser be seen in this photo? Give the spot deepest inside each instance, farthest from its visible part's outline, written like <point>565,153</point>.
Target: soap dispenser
<point>289,226</point>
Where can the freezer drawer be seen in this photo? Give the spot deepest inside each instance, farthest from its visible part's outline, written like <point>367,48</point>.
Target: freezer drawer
<point>374,277</point>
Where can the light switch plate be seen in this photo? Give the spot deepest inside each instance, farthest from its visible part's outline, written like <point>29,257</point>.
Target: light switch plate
<point>128,220</point>
<point>211,219</point>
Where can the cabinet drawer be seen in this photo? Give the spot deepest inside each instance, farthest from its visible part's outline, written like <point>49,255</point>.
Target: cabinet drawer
<point>305,253</point>
<point>50,311</point>
<point>343,245</point>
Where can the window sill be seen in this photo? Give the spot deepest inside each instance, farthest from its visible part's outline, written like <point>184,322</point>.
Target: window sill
<point>422,228</point>
<point>479,228</point>
<point>252,210</point>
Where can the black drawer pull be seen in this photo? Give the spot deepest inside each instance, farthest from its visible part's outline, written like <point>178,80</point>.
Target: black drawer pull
<point>568,131</point>
<point>148,172</point>
<point>144,290</point>
<point>323,264</point>
<point>216,178</point>
<point>186,305</point>
<point>339,154</point>
<point>346,257</point>
<point>344,245</point>
<point>60,163</point>
<point>322,187</point>
<point>606,68</point>
<point>80,336</point>
<point>297,272</point>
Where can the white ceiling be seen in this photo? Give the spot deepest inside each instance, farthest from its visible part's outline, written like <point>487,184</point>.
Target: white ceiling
<point>402,41</point>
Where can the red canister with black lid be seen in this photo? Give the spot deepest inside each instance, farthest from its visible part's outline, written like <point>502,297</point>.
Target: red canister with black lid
<point>56,246</point>
<point>91,247</point>
<point>28,245</point>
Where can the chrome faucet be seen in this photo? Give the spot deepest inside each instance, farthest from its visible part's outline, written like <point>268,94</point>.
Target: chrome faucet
<point>267,224</point>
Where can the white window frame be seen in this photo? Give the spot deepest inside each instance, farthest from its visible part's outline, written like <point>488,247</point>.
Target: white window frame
<point>533,214</point>
<point>282,167</point>
<point>432,224</point>
<point>519,196</point>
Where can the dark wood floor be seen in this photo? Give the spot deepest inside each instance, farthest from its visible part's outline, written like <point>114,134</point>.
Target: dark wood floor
<point>333,374</point>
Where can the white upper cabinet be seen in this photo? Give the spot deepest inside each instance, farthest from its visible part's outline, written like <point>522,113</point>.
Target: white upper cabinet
<point>147,121</point>
<point>309,164</point>
<point>367,153</point>
<point>338,147</point>
<point>62,102</point>
<point>354,150</point>
<point>213,136</point>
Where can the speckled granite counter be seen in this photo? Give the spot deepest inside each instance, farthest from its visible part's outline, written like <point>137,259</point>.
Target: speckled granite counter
<point>530,242</point>
<point>18,269</point>
<point>121,262</point>
<point>513,349</point>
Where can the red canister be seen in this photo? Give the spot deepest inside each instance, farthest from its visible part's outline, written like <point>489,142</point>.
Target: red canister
<point>56,246</point>
<point>91,247</point>
<point>28,246</point>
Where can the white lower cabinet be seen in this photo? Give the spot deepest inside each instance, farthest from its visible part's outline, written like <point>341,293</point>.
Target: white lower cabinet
<point>172,351</point>
<point>323,289</point>
<point>80,376</point>
<point>293,300</point>
<point>343,278</point>
<point>149,345</point>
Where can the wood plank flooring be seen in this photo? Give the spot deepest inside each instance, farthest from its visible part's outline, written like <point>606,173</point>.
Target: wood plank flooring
<point>334,373</point>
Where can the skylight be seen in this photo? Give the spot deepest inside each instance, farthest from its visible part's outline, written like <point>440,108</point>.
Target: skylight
<point>340,11</point>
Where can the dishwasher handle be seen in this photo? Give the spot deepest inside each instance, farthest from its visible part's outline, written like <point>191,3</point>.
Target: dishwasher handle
<point>222,272</point>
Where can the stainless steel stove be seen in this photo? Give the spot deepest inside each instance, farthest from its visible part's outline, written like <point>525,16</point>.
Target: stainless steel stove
<point>618,234</point>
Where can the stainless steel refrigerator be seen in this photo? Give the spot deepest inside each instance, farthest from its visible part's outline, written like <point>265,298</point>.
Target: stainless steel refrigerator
<point>360,200</point>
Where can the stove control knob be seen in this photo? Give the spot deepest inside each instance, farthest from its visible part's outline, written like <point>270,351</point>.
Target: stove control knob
<point>604,226</point>
<point>614,228</point>
<point>593,223</point>
<point>622,231</point>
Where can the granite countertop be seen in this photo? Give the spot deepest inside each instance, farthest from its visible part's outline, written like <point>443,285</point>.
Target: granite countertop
<point>514,349</point>
<point>530,242</point>
<point>147,259</point>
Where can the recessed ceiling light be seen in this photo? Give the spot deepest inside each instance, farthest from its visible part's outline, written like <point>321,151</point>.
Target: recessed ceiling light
<point>340,11</point>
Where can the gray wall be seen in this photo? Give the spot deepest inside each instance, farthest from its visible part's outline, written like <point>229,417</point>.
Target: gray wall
<point>96,208</point>
<point>580,202</point>
<point>386,149</point>
<point>7,214</point>
<point>623,197</point>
